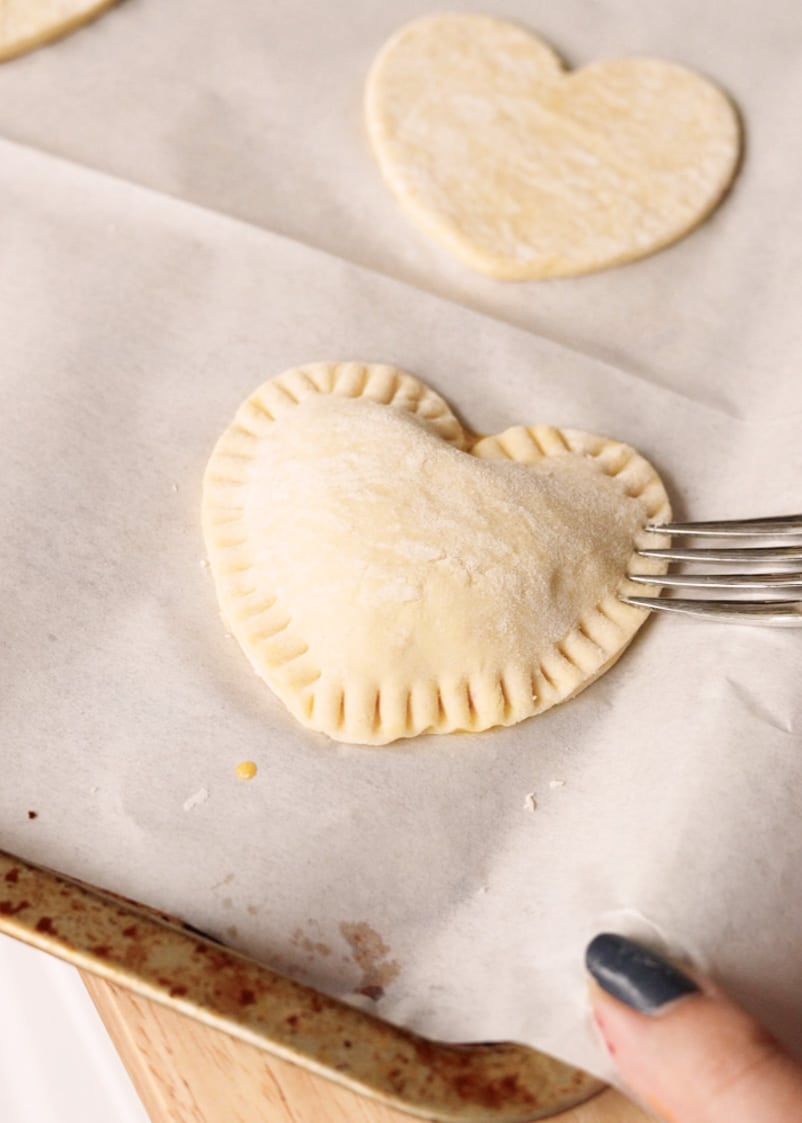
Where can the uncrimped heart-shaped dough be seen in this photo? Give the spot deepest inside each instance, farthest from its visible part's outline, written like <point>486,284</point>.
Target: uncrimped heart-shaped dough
<point>25,24</point>
<point>524,170</point>
<point>388,573</point>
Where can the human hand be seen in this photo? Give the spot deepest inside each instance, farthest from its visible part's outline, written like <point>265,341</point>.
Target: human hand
<point>683,1048</point>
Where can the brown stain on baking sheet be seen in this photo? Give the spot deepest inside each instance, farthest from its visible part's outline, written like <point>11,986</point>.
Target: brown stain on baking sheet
<point>305,943</point>
<point>11,908</point>
<point>372,956</point>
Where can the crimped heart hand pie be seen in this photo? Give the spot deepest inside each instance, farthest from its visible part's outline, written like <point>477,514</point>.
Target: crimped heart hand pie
<point>524,170</point>
<point>388,573</point>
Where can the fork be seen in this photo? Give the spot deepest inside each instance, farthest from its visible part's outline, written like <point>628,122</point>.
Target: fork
<point>767,577</point>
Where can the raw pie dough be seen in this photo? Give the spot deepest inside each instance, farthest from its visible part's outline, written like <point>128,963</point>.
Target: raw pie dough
<point>388,573</point>
<point>524,170</point>
<point>25,24</point>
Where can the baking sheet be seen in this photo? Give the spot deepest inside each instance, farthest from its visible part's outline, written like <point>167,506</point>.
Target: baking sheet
<point>195,212</point>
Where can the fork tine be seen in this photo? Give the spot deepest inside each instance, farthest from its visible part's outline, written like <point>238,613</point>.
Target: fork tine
<point>734,528</point>
<point>779,614</point>
<point>757,582</point>
<point>774,571</point>
<point>783,556</point>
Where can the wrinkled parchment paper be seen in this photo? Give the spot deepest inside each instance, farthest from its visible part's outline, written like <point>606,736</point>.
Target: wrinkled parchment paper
<point>187,207</point>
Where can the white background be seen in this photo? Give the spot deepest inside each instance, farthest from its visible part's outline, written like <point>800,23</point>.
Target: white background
<point>57,1063</point>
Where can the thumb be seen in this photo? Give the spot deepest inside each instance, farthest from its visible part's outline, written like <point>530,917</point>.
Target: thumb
<point>683,1048</point>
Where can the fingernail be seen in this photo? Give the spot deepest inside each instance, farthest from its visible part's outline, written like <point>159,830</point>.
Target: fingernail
<point>634,974</point>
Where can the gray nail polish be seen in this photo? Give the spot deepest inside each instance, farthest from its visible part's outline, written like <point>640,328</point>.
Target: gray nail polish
<point>634,974</point>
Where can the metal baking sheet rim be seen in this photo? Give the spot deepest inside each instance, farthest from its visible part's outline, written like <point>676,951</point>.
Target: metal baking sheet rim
<point>161,959</point>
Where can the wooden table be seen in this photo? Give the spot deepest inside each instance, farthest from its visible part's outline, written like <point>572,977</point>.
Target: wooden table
<point>186,1072</point>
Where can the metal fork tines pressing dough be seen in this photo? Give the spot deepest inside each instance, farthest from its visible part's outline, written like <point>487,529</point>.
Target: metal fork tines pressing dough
<point>759,582</point>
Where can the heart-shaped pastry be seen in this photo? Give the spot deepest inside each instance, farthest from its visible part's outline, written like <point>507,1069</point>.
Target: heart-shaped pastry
<point>388,573</point>
<point>25,24</point>
<point>524,170</point>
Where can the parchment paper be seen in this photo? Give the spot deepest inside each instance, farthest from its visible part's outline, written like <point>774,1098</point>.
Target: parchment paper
<point>187,207</point>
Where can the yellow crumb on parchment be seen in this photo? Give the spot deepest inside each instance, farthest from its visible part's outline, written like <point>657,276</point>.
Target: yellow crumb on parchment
<point>246,770</point>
